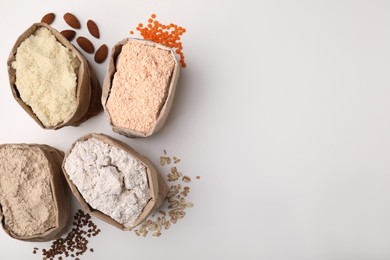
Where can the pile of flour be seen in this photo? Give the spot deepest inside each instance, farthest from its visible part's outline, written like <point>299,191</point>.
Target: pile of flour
<point>109,179</point>
<point>46,77</point>
<point>140,86</point>
<point>25,193</point>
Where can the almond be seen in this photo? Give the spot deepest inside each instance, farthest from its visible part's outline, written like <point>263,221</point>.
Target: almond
<point>101,54</point>
<point>72,21</point>
<point>85,44</point>
<point>93,29</point>
<point>48,18</point>
<point>68,34</point>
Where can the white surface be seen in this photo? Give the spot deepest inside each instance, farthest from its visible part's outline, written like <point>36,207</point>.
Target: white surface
<point>283,110</point>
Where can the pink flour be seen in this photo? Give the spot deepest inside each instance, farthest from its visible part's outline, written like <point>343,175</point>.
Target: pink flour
<point>140,86</point>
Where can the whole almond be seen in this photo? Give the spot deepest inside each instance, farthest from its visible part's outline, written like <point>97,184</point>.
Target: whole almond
<point>85,44</point>
<point>72,21</point>
<point>101,54</point>
<point>48,18</point>
<point>68,34</point>
<point>93,29</point>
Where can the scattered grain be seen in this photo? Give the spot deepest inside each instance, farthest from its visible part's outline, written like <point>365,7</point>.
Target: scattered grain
<point>165,160</point>
<point>175,203</point>
<point>186,179</point>
<point>76,242</point>
<point>175,159</point>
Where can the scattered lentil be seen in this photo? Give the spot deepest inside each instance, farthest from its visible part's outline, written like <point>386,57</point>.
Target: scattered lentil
<point>168,35</point>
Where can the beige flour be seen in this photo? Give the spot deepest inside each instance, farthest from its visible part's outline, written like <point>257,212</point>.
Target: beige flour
<point>140,86</point>
<point>25,194</point>
<point>46,77</point>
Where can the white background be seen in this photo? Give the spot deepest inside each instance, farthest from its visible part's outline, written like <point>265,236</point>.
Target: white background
<point>284,112</point>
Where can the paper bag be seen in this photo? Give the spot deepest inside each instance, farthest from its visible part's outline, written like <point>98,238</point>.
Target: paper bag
<point>88,90</point>
<point>158,187</point>
<point>59,191</point>
<point>165,108</point>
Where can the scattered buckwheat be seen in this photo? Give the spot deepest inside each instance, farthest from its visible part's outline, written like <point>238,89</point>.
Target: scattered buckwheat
<point>76,242</point>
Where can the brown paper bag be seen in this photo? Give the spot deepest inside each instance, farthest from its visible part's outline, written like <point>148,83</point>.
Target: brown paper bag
<point>157,185</point>
<point>59,189</point>
<point>116,50</point>
<point>88,90</point>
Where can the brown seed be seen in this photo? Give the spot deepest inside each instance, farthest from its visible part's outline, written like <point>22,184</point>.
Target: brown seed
<point>175,159</point>
<point>72,21</point>
<point>48,18</point>
<point>101,54</point>
<point>68,34</point>
<point>186,179</point>
<point>86,45</point>
<point>93,29</point>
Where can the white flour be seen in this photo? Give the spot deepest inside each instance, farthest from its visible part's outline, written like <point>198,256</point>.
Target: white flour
<point>110,180</point>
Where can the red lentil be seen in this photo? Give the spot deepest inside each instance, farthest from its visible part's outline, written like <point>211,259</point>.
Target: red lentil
<point>166,34</point>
